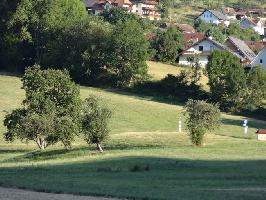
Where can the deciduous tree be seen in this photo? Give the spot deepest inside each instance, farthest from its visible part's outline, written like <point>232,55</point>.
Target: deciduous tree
<point>226,80</point>
<point>51,109</point>
<point>128,52</point>
<point>95,121</point>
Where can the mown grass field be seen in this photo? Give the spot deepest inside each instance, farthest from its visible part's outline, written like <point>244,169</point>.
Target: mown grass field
<point>145,157</point>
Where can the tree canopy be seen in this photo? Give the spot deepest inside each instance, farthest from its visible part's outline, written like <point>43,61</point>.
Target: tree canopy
<point>94,121</point>
<point>167,44</point>
<point>128,52</point>
<point>201,117</point>
<point>51,109</point>
<point>226,80</point>
<point>34,22</point>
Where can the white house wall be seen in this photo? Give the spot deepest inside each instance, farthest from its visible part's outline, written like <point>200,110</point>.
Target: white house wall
<point>207,46</point>
<point>208,17</point>
<point>259,30</point>
<point>183,60</point>
<point>260,59</point>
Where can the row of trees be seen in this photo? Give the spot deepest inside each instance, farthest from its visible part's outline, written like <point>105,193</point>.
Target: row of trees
<point>61,33</point>
<point>53,112</point>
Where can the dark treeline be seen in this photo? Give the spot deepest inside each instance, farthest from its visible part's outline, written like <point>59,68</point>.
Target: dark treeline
<point>95,50</point>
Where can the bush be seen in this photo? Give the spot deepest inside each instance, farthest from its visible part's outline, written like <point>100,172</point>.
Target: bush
<point>202,117</point>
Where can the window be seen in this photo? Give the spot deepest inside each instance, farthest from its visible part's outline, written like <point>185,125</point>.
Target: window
<point>261,61</point>
<point>200,48</point>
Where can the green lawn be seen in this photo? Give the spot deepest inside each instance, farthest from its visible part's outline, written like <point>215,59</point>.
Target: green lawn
<point>145,157</point>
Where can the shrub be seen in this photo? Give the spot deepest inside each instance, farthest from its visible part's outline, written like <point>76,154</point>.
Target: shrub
<point>202,117</point>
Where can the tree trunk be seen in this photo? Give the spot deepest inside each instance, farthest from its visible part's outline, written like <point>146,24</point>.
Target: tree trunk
<point>99,148</point>
<point>41,143</point>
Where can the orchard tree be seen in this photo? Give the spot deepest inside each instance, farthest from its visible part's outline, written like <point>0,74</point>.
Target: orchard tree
<point>50,112</point>
<point>226,80</point>
<point>95,121</point>
<point>201,117</point>
<point>128,53</point>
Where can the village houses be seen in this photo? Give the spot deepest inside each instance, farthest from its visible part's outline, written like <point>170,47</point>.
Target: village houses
<point>202,49</point>
<point>144,8</point>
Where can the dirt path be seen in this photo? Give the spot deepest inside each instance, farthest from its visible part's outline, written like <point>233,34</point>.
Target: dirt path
<point>17,194</point>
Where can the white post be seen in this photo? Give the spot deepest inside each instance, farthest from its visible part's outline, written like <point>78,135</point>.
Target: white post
<point>245,127</point>
<point>179,125</point>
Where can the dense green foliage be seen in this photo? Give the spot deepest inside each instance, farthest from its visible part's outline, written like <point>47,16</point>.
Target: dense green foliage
<point>256,88</point>
<point>226,80</point>
<point>231,86</point>
<point>243,34</point>
<point>94,121</point>
<point>128,51</point>
<point>51,109</point>
<point>117,14</point>
<point>167,44</point>
<point>210,30</point>
<point>202,117</point>
<point>62,34</point>
<point>80,48</point>
<point>34,23</point>
<point>7,8</point>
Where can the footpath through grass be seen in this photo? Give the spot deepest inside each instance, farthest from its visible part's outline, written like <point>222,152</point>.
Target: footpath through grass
<point>145,158</point>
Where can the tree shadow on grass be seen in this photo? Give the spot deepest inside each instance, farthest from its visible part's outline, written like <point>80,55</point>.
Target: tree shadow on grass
<point>5,151</point>
<point>51,154</point>
<point>129,177</point>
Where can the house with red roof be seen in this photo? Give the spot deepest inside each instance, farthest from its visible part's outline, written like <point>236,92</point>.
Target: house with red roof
<point>192,38</point>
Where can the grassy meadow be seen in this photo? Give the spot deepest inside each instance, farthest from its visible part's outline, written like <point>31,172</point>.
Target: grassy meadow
<point>144,158</point>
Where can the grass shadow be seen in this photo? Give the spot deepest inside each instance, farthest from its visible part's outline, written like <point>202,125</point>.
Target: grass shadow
<point>51,154</point>
<point>165,178</point>
<point>147,97</point>
<point>6,151</point>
